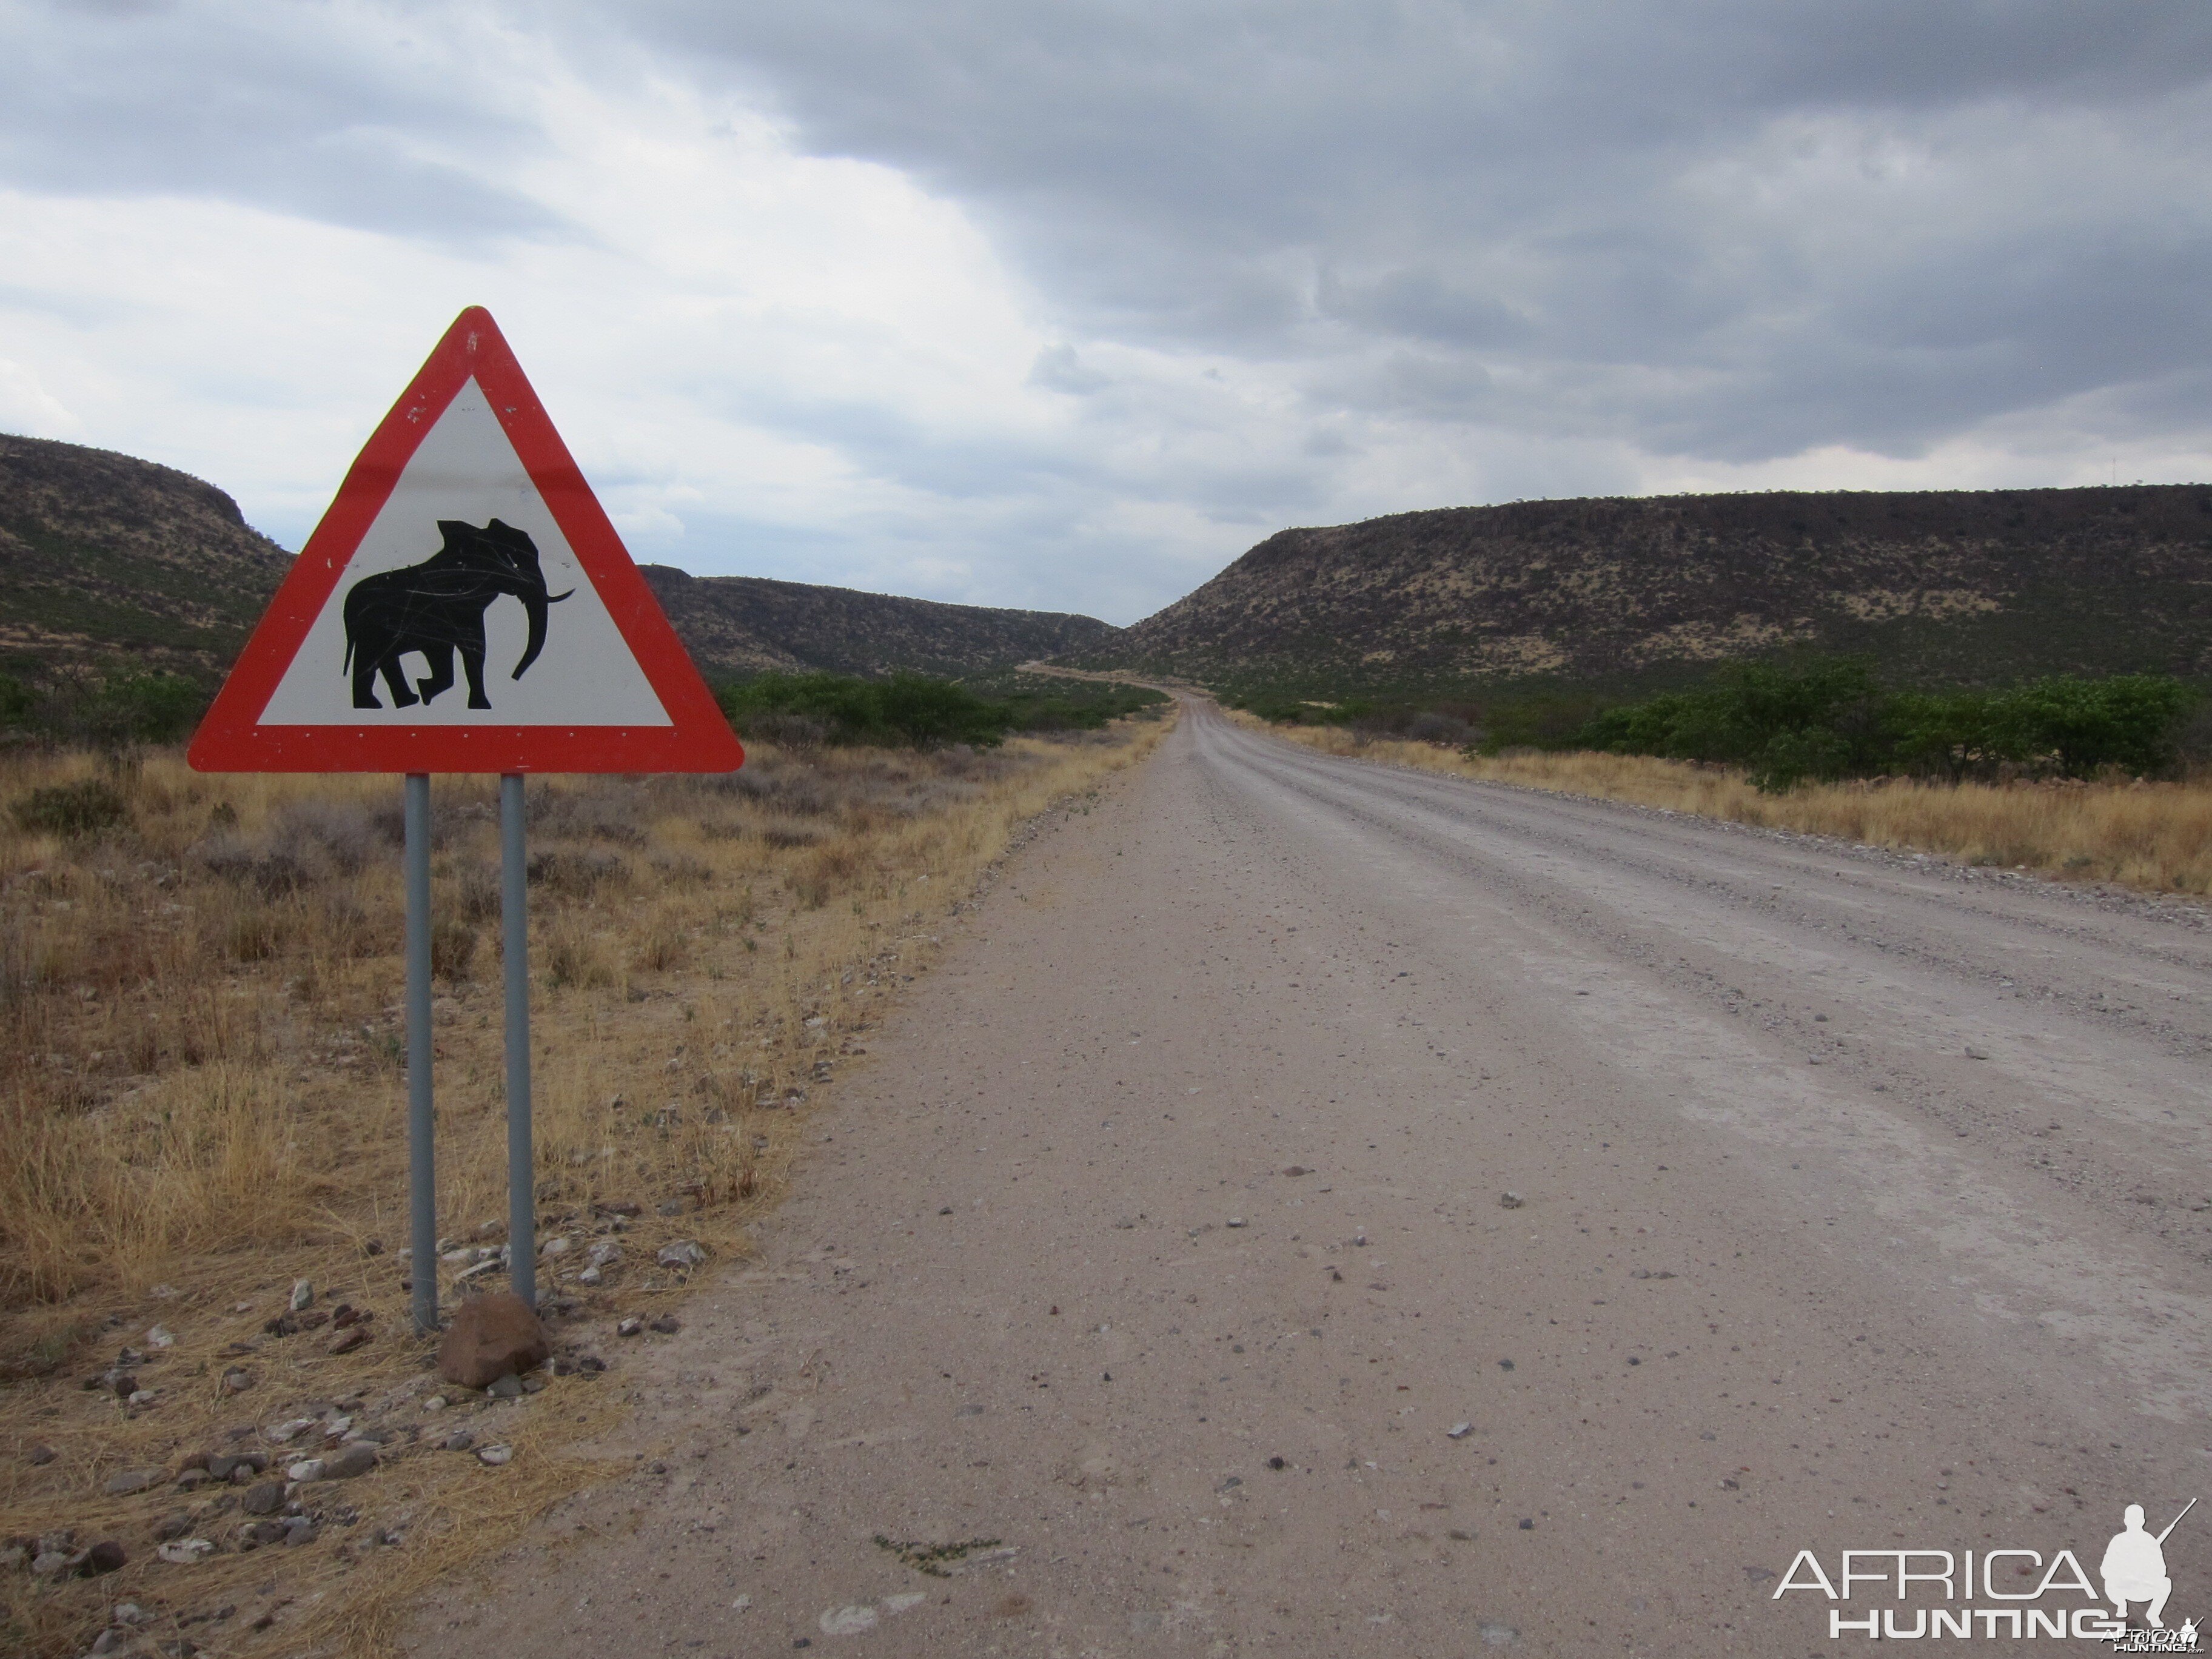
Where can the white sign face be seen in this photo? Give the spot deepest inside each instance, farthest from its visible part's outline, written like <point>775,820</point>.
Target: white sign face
<point>436,608</point>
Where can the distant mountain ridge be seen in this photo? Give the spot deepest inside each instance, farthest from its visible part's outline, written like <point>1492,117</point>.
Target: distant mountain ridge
<point>1946,585</point>
<point>736,626</point>
<point>108,561</point>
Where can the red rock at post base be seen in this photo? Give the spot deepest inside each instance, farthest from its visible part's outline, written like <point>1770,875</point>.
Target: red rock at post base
<point>490,1337</point>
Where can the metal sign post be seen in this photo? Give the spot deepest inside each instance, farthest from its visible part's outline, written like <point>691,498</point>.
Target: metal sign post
<point>422,1161</point>
<point>521,1175</point>
<point>464,529</point>
<point>421,1172</point>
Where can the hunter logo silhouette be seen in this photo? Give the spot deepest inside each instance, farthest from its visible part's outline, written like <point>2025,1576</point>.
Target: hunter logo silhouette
<point>437,608</point>
<point>2134,1568</point>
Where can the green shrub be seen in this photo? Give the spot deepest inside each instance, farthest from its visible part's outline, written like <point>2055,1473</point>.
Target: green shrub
<point>16,703</point>
<point>2079,726</point>
<point>1830,720</point>
<point>141,707</point>
<point>908,710</point>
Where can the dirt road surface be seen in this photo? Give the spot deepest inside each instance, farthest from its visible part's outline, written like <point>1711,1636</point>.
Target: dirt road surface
<point>1859,1203</point>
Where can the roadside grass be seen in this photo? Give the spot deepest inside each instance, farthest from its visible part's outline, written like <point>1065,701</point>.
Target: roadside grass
<point>2156,837</point>
<point>202,1100</point>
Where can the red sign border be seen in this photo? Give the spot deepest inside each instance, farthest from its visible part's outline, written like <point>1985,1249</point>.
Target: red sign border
<point>231,739</point>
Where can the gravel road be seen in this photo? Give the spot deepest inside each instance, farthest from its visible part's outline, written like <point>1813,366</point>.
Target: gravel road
<point>1856,1201</point>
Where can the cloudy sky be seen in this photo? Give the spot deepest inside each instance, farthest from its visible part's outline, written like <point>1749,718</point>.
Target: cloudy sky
<point>1064,305</point>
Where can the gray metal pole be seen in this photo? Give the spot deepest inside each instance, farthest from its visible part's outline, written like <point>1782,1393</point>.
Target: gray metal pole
<point>514,921</point>
<point>422,1164</point>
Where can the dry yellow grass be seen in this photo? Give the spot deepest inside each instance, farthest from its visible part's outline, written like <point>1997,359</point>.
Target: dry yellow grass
<point>203,1099</point>
<point>2153,835</point>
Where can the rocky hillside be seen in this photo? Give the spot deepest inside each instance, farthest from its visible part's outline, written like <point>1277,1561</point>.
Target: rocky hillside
<point>1950,585</point>
<point>105,559</point>
<point>739,625</point>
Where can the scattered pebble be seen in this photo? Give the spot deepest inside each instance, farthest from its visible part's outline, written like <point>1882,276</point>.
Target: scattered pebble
<point>237,1380</point>
<point>629,1327</point>
<point>1297,1169</point>
<point>685,1253</point>
<point>263,1498</point>
<point>307,1468</point>
<point>1511,1200</point>
<point>848,1621</point>
<point>495,1456</point>
<point>1459,1430</point>
<point>1236,1220</point>
<point>355,1458</point>
<point>505,1388</point>
<point>130,1480</point>
<point>303,1294</point>
<point>161,1337</point>
<point>182,1552</point>
<point>461,1440</point>
<point>41,1455</point>
<point>667,1324</point>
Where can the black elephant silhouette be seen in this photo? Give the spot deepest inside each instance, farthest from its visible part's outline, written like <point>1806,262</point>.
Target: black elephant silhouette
<point>437,607</point>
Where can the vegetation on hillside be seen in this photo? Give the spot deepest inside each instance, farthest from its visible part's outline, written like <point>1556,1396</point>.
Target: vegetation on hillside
<point>107,560</point>
<point>1942,586</point>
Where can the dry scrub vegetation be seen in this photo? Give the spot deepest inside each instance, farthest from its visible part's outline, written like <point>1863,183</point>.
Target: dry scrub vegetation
<point>2152,835</point>
<point>202,1100</point>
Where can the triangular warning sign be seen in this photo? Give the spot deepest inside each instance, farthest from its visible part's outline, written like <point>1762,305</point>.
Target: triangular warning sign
<point>465,605</point>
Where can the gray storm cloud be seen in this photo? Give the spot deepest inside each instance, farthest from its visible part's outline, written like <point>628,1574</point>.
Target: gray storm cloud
<point>1735,230</point>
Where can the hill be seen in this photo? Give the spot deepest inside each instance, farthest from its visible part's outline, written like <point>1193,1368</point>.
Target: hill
<point>106,559</point>
<point>736,626</point>
<point>1953,584</point>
